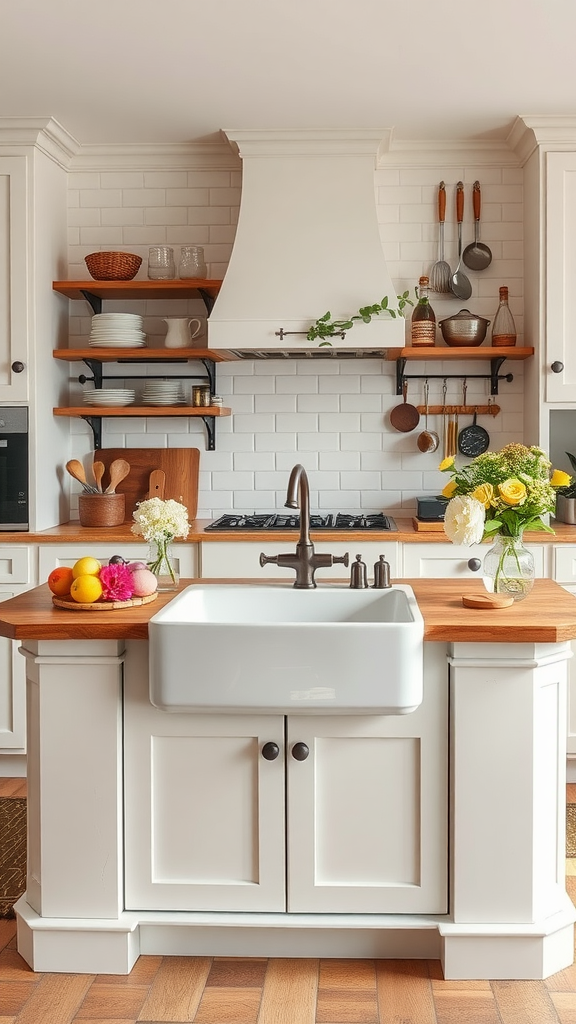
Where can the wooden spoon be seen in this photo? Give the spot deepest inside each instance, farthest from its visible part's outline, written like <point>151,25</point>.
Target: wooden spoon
<point>118,470</point>
<point>76,469</point>
<point>98,470</point>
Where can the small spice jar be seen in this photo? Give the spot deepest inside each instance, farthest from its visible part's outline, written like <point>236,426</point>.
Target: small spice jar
<point>217,401</point>
<point>201,395</point>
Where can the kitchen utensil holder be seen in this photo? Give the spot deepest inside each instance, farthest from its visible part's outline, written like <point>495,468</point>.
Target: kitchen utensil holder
<point>494,376</point>
<point>101,509</point>
<point>465,410</point>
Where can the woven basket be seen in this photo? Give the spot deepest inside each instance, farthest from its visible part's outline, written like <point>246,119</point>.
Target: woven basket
<point>101,509</point>
<point>113,266</point>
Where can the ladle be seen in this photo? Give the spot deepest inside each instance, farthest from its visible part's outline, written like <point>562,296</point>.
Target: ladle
<point>427,440</point>
<point>477,256</point>
<point>76,469</point>
<point>459,283</point>
<point>118,470</point>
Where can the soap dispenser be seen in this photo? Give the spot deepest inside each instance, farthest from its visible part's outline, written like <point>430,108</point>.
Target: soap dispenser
<point>358,574</point>
<point>382,574</point>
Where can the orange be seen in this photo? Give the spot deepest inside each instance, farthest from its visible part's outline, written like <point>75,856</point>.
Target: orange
<point>60,580</point>
<point>86,566</point>
<point>86,589</point>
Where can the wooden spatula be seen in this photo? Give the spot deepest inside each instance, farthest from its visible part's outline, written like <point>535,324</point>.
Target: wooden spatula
<point>157,483</point>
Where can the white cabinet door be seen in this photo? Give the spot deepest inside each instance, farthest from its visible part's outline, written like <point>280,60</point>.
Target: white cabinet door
<point>14,383</point>
<point>451,561</point>
<point>12,690</point>
<point>367,808</point>
<point>560,275</point>
<point>52,555</point>
<point>204,807</point>
<point>240,560</point>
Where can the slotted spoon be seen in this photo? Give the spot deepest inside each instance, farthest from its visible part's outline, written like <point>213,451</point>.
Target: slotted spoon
<point>441,274</point>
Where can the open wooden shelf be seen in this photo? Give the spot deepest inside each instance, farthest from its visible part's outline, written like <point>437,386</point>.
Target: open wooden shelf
<point>142,410</point>
<point>143,354</point>
<point>137,289</point>
<point>440,352</point>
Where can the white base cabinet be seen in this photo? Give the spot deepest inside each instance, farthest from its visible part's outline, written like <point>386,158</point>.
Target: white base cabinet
<point>358,824</point>
<point>17,574</point>
<point>240,560</point>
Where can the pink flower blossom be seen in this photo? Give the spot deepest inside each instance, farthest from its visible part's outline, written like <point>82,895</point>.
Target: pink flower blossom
<point>117,583</point>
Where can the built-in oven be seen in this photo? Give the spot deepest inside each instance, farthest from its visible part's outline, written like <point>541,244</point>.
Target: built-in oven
<point>14,503</point>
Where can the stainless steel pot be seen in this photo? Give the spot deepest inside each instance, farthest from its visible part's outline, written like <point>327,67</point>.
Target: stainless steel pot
<point>464,328</point>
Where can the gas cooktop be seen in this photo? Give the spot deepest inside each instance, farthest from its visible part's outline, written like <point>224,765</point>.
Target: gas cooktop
<point>291,521</point>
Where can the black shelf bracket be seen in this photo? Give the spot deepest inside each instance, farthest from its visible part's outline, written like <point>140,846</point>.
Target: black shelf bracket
<point>210,424</point>
<point>494,376</point>
<point>95,424</point>
<point>93,300</point>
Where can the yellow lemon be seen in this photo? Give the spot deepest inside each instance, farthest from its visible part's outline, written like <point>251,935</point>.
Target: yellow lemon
<point>86,589</point>
<point>86,566</point>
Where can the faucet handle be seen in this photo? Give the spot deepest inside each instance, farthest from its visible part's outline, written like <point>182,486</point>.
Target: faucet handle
<point>266,559</point>
<point>342,559</point>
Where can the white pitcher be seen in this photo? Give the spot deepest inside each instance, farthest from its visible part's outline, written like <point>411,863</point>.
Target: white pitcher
<point>180,334</point>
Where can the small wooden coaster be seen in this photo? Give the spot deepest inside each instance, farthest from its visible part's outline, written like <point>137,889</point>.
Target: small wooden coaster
<point>487,601</point>
<point>101,606</point>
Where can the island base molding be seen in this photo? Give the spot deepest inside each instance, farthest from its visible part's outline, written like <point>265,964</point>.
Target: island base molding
<point>64,945</point>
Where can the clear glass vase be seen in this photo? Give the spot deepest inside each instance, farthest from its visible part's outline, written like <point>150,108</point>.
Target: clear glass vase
<point>509,568</point>
<point>161,563</point>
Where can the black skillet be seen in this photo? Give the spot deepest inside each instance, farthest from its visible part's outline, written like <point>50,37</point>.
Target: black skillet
<point>473,440</point>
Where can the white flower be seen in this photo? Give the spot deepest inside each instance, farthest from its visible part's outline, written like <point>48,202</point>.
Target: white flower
<point>464,520</point>
<point>160,520</point>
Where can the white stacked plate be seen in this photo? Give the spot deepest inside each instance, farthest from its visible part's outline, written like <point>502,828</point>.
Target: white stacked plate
<point>162,393</point>
<point>109,396</point>
<point>117,330</point>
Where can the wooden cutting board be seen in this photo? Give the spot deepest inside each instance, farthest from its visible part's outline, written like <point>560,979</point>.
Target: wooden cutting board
<point>180,466</point>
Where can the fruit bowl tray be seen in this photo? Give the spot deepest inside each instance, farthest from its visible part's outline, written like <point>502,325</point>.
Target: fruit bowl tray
<point>100,606</point>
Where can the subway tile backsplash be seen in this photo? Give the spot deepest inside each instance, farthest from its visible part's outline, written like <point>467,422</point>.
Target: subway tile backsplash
<point>332,416</point>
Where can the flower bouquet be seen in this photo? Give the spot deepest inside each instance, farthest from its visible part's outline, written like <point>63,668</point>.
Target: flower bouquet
<point>159,522</point>
<point>501,494</point>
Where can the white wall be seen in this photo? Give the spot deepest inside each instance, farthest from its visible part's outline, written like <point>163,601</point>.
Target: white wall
<point>332,416</point>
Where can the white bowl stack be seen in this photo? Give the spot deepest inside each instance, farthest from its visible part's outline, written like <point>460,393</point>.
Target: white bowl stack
<point>162,392</point>
<point>117,330</point>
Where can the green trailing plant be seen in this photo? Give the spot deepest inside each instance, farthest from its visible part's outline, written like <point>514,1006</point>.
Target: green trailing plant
<point>324,328</point>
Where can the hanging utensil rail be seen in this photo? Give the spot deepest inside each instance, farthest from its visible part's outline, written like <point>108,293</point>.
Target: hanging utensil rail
<point>464,410</point>
<point>494,376</point>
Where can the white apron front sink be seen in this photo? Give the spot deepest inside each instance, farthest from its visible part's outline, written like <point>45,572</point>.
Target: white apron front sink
<point>275,648</point>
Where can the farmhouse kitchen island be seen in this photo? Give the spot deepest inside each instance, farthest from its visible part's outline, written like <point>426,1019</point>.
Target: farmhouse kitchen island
<point>437,834</point>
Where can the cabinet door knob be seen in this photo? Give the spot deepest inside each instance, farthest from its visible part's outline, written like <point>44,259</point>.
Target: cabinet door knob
<point>474,564</point>
<point>17,367</point>
<point>300,751</point>
<point>270,751</point>
<point>557,366</point>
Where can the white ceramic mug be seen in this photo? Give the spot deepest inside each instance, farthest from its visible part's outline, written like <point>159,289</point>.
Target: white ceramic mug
<point>180,333</point>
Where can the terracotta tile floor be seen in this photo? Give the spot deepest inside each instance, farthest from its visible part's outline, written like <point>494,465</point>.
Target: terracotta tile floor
<point>223,990</point>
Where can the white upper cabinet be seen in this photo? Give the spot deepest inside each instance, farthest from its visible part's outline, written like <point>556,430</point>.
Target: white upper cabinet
<point>14,373</point>
<point>560,276</point>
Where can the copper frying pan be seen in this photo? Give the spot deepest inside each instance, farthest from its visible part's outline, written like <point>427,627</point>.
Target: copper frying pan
<point>404,417</point>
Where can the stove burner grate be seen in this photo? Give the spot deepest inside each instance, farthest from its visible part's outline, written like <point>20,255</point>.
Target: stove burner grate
<point>291,521</point>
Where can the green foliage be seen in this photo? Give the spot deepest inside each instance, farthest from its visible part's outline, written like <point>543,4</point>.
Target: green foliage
<point>325,328</point>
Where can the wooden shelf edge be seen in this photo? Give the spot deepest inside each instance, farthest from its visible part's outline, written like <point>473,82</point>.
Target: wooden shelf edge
<point>143,410</point>
<point>438,352</point>
<point>141,355</point>
<point>133,289</point>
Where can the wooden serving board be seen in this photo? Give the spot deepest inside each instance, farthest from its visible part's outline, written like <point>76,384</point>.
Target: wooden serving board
<point>179,465</point>
<point>422,526</point>
<point>100,606</point>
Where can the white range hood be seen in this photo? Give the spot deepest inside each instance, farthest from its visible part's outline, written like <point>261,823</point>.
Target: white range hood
<point>307,243</point>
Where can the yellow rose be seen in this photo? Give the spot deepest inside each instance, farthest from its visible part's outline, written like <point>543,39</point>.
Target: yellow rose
<point>484,493</point>
<point>512,491</point>
<point>560,478</point>
<point>446,463</point>
<point>451,486</point>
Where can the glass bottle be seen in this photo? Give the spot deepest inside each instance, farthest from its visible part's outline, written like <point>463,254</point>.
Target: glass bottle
<point>503,328</point>
<point>423,324</point>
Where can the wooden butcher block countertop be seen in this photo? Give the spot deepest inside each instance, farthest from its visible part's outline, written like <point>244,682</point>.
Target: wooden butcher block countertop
<point>73,533</point>
<point>548,615</point>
